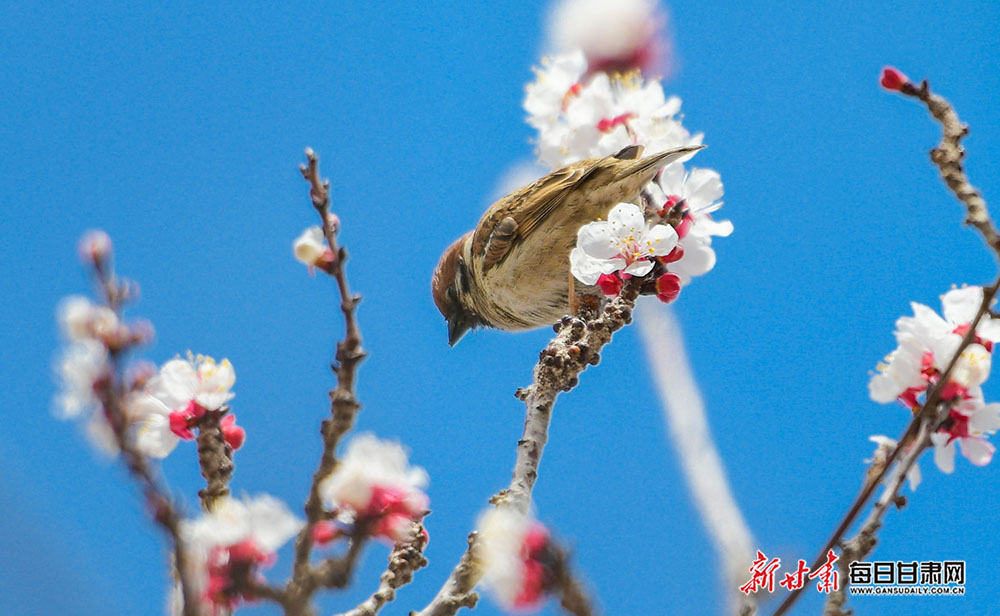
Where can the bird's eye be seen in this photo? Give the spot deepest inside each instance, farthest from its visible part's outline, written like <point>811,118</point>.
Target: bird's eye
<point>452,294</point>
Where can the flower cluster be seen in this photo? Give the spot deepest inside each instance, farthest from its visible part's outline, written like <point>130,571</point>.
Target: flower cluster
<point>615,36</point>
<point>622,246</point>
<point>517,558</point>
<point>374,491</point>
<point>94,333</point>
<point>175,400</point>
<point>579,116</point>
<point>581,113</point>
<point>230,545</point>
<point>927,342</point>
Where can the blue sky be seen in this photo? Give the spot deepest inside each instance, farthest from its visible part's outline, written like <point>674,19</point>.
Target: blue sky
<point>179,130</point>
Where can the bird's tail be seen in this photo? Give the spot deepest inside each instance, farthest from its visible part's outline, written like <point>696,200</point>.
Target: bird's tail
<point>648,166</point>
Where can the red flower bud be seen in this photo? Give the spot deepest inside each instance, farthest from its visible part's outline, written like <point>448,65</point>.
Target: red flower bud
<point>668,287</point>
<point>233,434</point>
<point>892,79</point>
<point>610,284</point>
<point>324,532</point>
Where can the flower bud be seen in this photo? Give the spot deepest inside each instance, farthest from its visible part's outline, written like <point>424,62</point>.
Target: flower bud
<point>94,247</point>
<point>668,287</point>
<point>893,79</point>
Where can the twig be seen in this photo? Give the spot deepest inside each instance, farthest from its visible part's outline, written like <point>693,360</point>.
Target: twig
<point>948,157</point>
<point>577,344</point>
<point>336,572</point>
<point>404,560</point>
<point>215,457</point>
<point>864,541</point>
<point>572,596</point>
<point>112,397</point>
<point>343,406</point>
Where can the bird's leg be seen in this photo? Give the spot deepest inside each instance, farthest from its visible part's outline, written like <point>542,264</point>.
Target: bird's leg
<point>574,303</point>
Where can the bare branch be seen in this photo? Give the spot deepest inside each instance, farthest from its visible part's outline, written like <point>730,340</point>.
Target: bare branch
<point>404,560</point>
<point>343,403</point>
<point>948,157</point>
<point>112,395</point>
<point>215,457</point>
<point>577,344</point>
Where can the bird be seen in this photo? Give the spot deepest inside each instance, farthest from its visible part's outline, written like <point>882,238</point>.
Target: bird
<point>512,271</point>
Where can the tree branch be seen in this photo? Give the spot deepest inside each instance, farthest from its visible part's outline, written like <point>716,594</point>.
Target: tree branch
<point>215,457</point>
<point>343,403</point>
<point>948,157</point>
<point>404,560</point>
<point>577,344</point>
<point>112,397</point>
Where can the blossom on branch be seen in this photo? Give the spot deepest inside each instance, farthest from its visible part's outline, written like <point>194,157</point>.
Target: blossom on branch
<point>581,117</point>
<point>173,401</point>
<point>80,319</point>
<point>229,546</point>
<point>698,192</point>
<point>311,249</point>
<point>615,35</point>
<point>927,342</point>
<point>623,243</point>
<point>967,425</point>
<point>517,558</point>
<point>375,489</point>
<point>582,113</point>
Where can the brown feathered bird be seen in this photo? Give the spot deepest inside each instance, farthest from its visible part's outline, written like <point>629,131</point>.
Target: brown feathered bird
<point>512,271</point>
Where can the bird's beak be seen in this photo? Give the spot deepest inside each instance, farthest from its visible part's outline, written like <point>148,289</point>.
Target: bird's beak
<point>457,326</point>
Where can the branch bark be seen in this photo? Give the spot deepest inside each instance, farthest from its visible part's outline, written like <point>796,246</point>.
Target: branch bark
<point>112,395</point>
<point>215,457</point>
<point>343,403</point>
<point>577,344</point>
<point>948,157</point>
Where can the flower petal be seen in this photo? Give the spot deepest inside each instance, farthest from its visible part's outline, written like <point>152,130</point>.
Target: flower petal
<point>626,219</point>
<point>659,240</point>
<point>986,419</point>
<point>944,452</point>
<point>978,450</point>
<point>598,240</point>
<point>961,305</point>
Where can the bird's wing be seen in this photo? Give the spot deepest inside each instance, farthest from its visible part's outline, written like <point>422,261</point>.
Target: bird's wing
<point>519,213</point>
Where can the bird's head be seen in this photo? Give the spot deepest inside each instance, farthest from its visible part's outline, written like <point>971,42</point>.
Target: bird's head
<point>450,289</point>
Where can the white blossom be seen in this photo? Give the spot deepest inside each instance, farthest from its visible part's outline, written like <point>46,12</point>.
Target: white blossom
<point>507,539</point>
<point>622,243</point>
<point>600,115</point>
<point>263,520</point>
<point>701,191</point>
<point>80,366</point>
<point>150,426</point>
<point>554,81</point>
<point>310,247</point>
<point>199,379</point>
<point>606,29</point>
<point>371,463</point>
<point>81,319</point>
<point>927,342</point>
